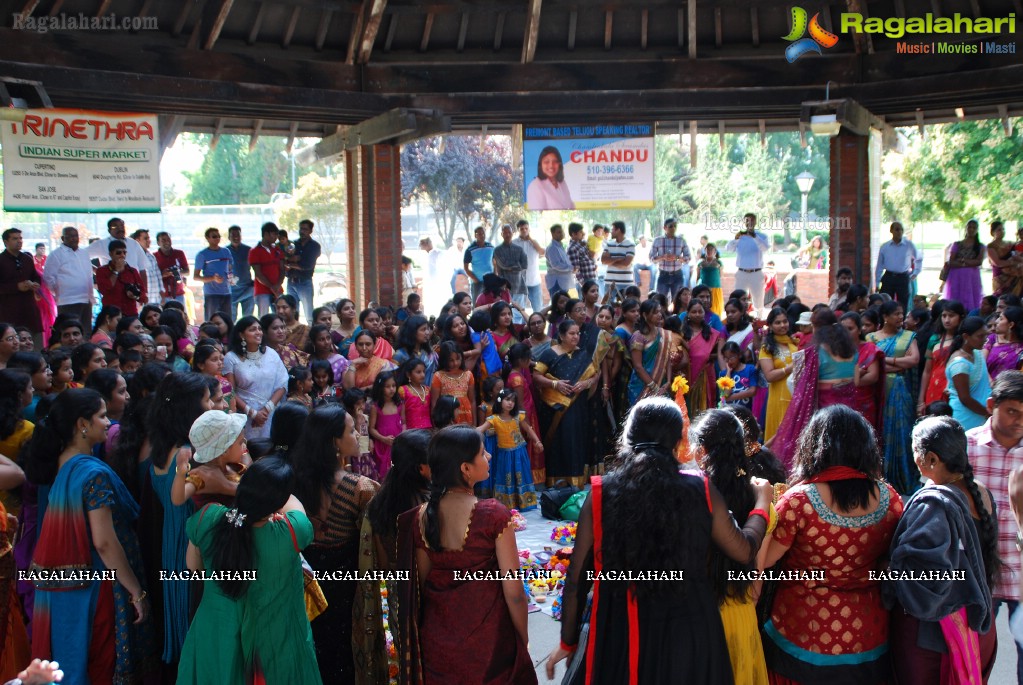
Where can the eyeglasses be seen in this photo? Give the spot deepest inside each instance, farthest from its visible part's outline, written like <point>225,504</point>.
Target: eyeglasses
<point>120,253</point>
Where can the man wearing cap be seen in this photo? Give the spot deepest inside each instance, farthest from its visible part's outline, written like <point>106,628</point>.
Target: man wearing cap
<point>749,247</point>
<point>218,446</point>
<point>671,255</point>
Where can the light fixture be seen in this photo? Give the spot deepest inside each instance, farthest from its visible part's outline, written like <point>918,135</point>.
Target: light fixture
<point>825,125</point>
<point>804,181</point>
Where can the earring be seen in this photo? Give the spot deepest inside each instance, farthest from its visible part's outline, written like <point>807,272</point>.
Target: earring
<point>83,432</point>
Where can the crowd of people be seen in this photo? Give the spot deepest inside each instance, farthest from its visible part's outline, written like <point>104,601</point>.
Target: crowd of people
<point>279,457</point>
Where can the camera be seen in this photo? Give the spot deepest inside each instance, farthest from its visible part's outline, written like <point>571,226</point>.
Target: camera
<point>175,273</point>
<point>133,291</point>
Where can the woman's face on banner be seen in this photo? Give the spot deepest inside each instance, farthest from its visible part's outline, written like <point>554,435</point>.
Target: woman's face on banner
<point>550,165</point>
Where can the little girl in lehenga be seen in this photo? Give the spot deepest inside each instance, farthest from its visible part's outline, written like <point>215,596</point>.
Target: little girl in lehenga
<point>415,396</point>
<point>385,419</point>
<point>354,401</point>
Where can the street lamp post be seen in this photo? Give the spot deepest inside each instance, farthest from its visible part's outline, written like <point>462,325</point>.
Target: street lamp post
<point>805,181</point>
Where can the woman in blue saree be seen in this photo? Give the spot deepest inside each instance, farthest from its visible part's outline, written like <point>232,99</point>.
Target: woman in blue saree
<point>901,356</point>
<point>649,351</point>
<point>95,628</point>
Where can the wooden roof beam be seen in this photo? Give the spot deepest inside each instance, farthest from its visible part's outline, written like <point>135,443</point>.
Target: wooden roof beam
<point>609,18</point>
<point>292,132</point>
<point>693,131</point>
<point>60,3</point>
<point>499,31</point>
<point>28,9</point>
<point>721,134</point>
<point>257,128</point>
<point>216,135</point>
<point>289,31</point>
<point>691,9</point>
<point>1003,113</point>
<point>718,38</point>
<point>427,29</point>
<point>353,36</point>
<point>754,20</point>
<point>321,33</point>
<point>644,25</point>
<point>218,24</point>
<point>392,28</point>
<point>256,24</point>
<point>370,28</point>
<point>463,30</point>
<point>143,12</point>
<point>532,31</point>
<point>105,5</point>
<point>573,24</point>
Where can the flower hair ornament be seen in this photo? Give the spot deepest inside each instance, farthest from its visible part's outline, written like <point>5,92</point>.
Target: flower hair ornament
<point>235,518</point>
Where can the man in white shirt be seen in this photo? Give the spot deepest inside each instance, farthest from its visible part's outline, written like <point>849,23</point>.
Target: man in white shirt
<point>136,255</point>
<point>642,262</point>
<point>618,256</point>
<point>432,294</point>
<point>68,275</point>
<point>749,246</point>
<point>533,251</point>
<point>152,275</point>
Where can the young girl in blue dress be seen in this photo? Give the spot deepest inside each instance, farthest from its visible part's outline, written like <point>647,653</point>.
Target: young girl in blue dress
<point>511,477</point>
<point>744,375</point>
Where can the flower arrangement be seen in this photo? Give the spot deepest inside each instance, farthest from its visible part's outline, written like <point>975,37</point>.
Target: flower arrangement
<point>556,604</point>
<point>726,385</point>
<point>564,535</point>
<point>680,386</point>
<point>559,560</point>
<point>519,520</point>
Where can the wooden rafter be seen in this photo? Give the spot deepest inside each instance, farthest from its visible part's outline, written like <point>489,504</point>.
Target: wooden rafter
<point>691,19</point>
<point>532,30</point>
<point>499,31</point>
<point>28,8</point>
<point>644,26</point>
<point>217,132</point>
<point>353,36</point>
<point>392,28</point>
<point>463,30</point>
<point>55,9</point>
<point>289,31</point>
<point>257,23</point>
<point>718,31</point>
<point>573,25</point>
<point>754,20</point>
<point>257,128</point>
<point>721,134</point>
<point>292,132</point>
<point>103,7</point>
<point>692,143</point>
<point>609,19</point>
<point>681,30</point>
<point>427,29</point>
<point>195,35</point>
<point>324,27</point>
<point>218,24</point>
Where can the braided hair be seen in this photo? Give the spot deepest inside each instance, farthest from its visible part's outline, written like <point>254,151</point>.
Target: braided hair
<point>945,438</point>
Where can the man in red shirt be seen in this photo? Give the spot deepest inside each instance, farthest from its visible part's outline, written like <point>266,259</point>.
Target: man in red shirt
<point>267,262</point>
<point>119,284</point>
<point>173,269</point>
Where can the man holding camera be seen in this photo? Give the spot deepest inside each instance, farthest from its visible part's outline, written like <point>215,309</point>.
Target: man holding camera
<point>120,284</point>
<point>173,269</point>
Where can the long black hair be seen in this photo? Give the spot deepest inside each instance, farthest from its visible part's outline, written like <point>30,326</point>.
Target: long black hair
<point>56,431</point>
<point>103,381</point>
<point>761,463</point>
<point>449,448</point>
<point>648,515</point>
<point>81,357</point>
<point>839,436</point>
<point>124,459</point>
<point>107,312</point>
<point>687,327</point>
<point>176,404</point>
<point>833,334</point>
<point>945,437</point>
<point>404,485</point>
<point>264,488</point>
<point>969,326</point>
<point>443,413</point>
<point>286,427</point>
<point>315,457</point>
<point>12,384</point>
<point>723,440</point>
<point>407,335</point>
<point>744,320</point>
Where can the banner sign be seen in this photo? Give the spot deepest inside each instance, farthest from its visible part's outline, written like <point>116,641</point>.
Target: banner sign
<point>588,167</point>
<point>62,160</point>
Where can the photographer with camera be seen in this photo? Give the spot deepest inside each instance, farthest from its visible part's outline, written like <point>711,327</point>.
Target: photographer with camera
<point>173,268</point>
<point>119,284</point>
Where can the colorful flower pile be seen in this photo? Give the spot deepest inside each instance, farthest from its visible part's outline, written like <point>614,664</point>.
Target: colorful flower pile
<point>519,520</point>
<point>564,535</point>
<point>726,385</point>
<point>560,559</point>
<point>556,604</point>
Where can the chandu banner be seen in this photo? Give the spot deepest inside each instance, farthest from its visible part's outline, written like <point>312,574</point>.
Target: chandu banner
<point>72,160</point>
<point>588,167</point>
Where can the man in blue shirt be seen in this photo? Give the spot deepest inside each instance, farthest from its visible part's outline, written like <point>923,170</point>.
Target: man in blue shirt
<point>478,262</point>
<point>749,247</point>
<point>213,268</point>
<point>241,288</point>
<point>897,261</point>
<point>301,265</point>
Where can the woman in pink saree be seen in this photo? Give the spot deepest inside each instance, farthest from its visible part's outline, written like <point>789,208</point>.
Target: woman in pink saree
<point>704,342</point>
<point>825,374</point>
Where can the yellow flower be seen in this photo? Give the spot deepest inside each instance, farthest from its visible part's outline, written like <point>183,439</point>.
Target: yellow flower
<point>726,384</point>
<point>680,385</point>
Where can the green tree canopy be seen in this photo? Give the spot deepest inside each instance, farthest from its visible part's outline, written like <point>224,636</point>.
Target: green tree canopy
<point>321,200</point>
<point>230,174</point>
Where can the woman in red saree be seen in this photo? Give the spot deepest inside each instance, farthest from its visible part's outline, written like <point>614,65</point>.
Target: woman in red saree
<point>868,378</point>
<point>455,534</point>
<point>933,382</point>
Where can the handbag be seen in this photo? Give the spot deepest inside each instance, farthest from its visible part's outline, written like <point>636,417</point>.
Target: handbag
<point>573,505</point>
<point>551,500</point>
<point>943,275</point>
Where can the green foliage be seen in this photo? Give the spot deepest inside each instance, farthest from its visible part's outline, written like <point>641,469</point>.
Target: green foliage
<point>231,174</point>
<point>322,200</point>
<point>465,181</point>
<point>956,172</point>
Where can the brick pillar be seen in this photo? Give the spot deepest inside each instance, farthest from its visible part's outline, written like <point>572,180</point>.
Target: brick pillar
<point>374,224</point>
<point>850,208</point>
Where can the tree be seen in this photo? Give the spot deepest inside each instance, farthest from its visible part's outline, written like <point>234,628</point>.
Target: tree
<point>323,201</point>
<point>465,181</point>
<point>956,172</point>
<point>230,174</point>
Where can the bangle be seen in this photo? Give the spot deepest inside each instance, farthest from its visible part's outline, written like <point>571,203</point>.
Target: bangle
<point>136,600</point>
<point>568,648</point>
<point>269,406</point>
<point>249,412</point>
<point>760,512</point>
<point>188,467</point>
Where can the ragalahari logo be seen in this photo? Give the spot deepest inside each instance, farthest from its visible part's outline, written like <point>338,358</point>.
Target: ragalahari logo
<point>819,36</point>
